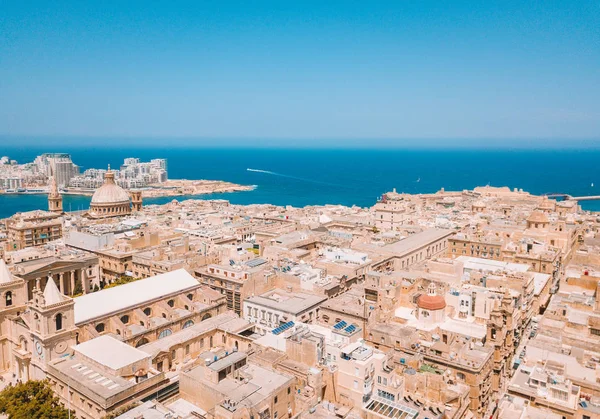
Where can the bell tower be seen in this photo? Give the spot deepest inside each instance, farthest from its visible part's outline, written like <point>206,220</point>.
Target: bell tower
<point>55,203</point>
<point>52,323</point>
<point>136,199</point>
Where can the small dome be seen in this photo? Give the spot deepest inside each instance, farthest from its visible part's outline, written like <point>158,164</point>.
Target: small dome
<point>431,302</point>
<point>110,192</point>
<point>537,217</point>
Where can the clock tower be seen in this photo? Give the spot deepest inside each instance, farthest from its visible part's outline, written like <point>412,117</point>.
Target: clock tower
<point>52,323</point>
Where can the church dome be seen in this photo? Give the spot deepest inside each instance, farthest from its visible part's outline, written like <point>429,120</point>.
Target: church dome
<point>431,302</point>
<point>110,192</point>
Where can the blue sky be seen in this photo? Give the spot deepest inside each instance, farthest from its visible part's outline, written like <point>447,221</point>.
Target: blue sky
<point>339,71</point>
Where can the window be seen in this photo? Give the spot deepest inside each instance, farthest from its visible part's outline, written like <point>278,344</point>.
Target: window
<point>171,303</point>
<point>460,376</point>
<point>8,298</point>
<point>147,311</point>
<point>275,401</point>
<point>164,333</point>
<point>289,390</point>
<point>188,324</point>
<point>125,319</point>
<point>357,372</point>
<point>385,395</point>
<point>190,297</point>
<point>59,320</point>
<point>173,354</point>
<point>187,349</point>
<point>100,327</point>
<point>355,385</point>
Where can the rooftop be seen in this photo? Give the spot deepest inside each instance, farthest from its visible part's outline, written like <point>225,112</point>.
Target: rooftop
<point>115,299</point>
<point>288,302</point>
<point>110,352</point>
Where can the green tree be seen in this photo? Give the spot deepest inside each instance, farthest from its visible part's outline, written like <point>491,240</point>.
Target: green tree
<point>32,400</point>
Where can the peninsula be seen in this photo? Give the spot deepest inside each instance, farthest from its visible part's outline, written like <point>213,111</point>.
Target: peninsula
<point>150,178</point>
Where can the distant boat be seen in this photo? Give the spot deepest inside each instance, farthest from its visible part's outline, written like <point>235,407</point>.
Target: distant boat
<point>592,184</point>
<point>418,180</point>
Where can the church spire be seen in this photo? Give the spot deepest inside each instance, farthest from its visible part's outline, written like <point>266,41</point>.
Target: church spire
<point>54,197</point>
<point>51,293</point>
<point>5,275</point>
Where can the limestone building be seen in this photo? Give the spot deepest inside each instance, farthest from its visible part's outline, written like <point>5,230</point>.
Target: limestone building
<point>33,228</point>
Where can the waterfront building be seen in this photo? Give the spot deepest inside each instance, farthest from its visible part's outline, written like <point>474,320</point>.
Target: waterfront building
<point>57,165</point>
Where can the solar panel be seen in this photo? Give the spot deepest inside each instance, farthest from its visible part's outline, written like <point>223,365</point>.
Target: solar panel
<point>350,328</point>
<point>340,325</point>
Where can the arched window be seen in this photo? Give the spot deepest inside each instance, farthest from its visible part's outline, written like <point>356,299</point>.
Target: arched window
<point>171,303</point>
<point>141,342</point>
<point>164,333</point>
<point>8,298</point>
<point>125,319</point>
<point>100,327</point>
<point>206,316</point>
<point>58,320</point>
<point>147,311</point>
<point>188,324</point>
<point>190,297</point>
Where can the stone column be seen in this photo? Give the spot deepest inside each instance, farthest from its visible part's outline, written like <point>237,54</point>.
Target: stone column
<point>84,280</point>
<point>72,283</point>
<point>63,283</point>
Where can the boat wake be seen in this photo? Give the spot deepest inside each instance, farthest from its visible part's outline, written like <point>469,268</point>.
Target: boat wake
<point>268,172</point>
<point>262,171</point>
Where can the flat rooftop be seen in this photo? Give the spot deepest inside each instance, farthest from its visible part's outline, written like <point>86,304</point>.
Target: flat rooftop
<point>488,265</point>
<point>110,352</point>
<point>287,302</point>
<point>112,300</point>
<point>417,241</point>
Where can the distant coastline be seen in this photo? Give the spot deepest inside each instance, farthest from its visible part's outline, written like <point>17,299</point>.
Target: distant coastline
<point>172,187</point>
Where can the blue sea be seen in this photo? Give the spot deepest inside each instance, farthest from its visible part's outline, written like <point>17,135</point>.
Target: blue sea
<point>301,177</point>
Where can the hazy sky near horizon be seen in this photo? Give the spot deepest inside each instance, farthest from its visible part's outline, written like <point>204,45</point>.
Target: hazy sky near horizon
<point>308,69</point>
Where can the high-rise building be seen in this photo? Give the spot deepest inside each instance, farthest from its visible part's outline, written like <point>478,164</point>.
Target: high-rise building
<point>58,165</point>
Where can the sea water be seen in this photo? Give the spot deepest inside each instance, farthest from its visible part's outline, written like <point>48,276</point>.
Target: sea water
<point>301,177</point>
